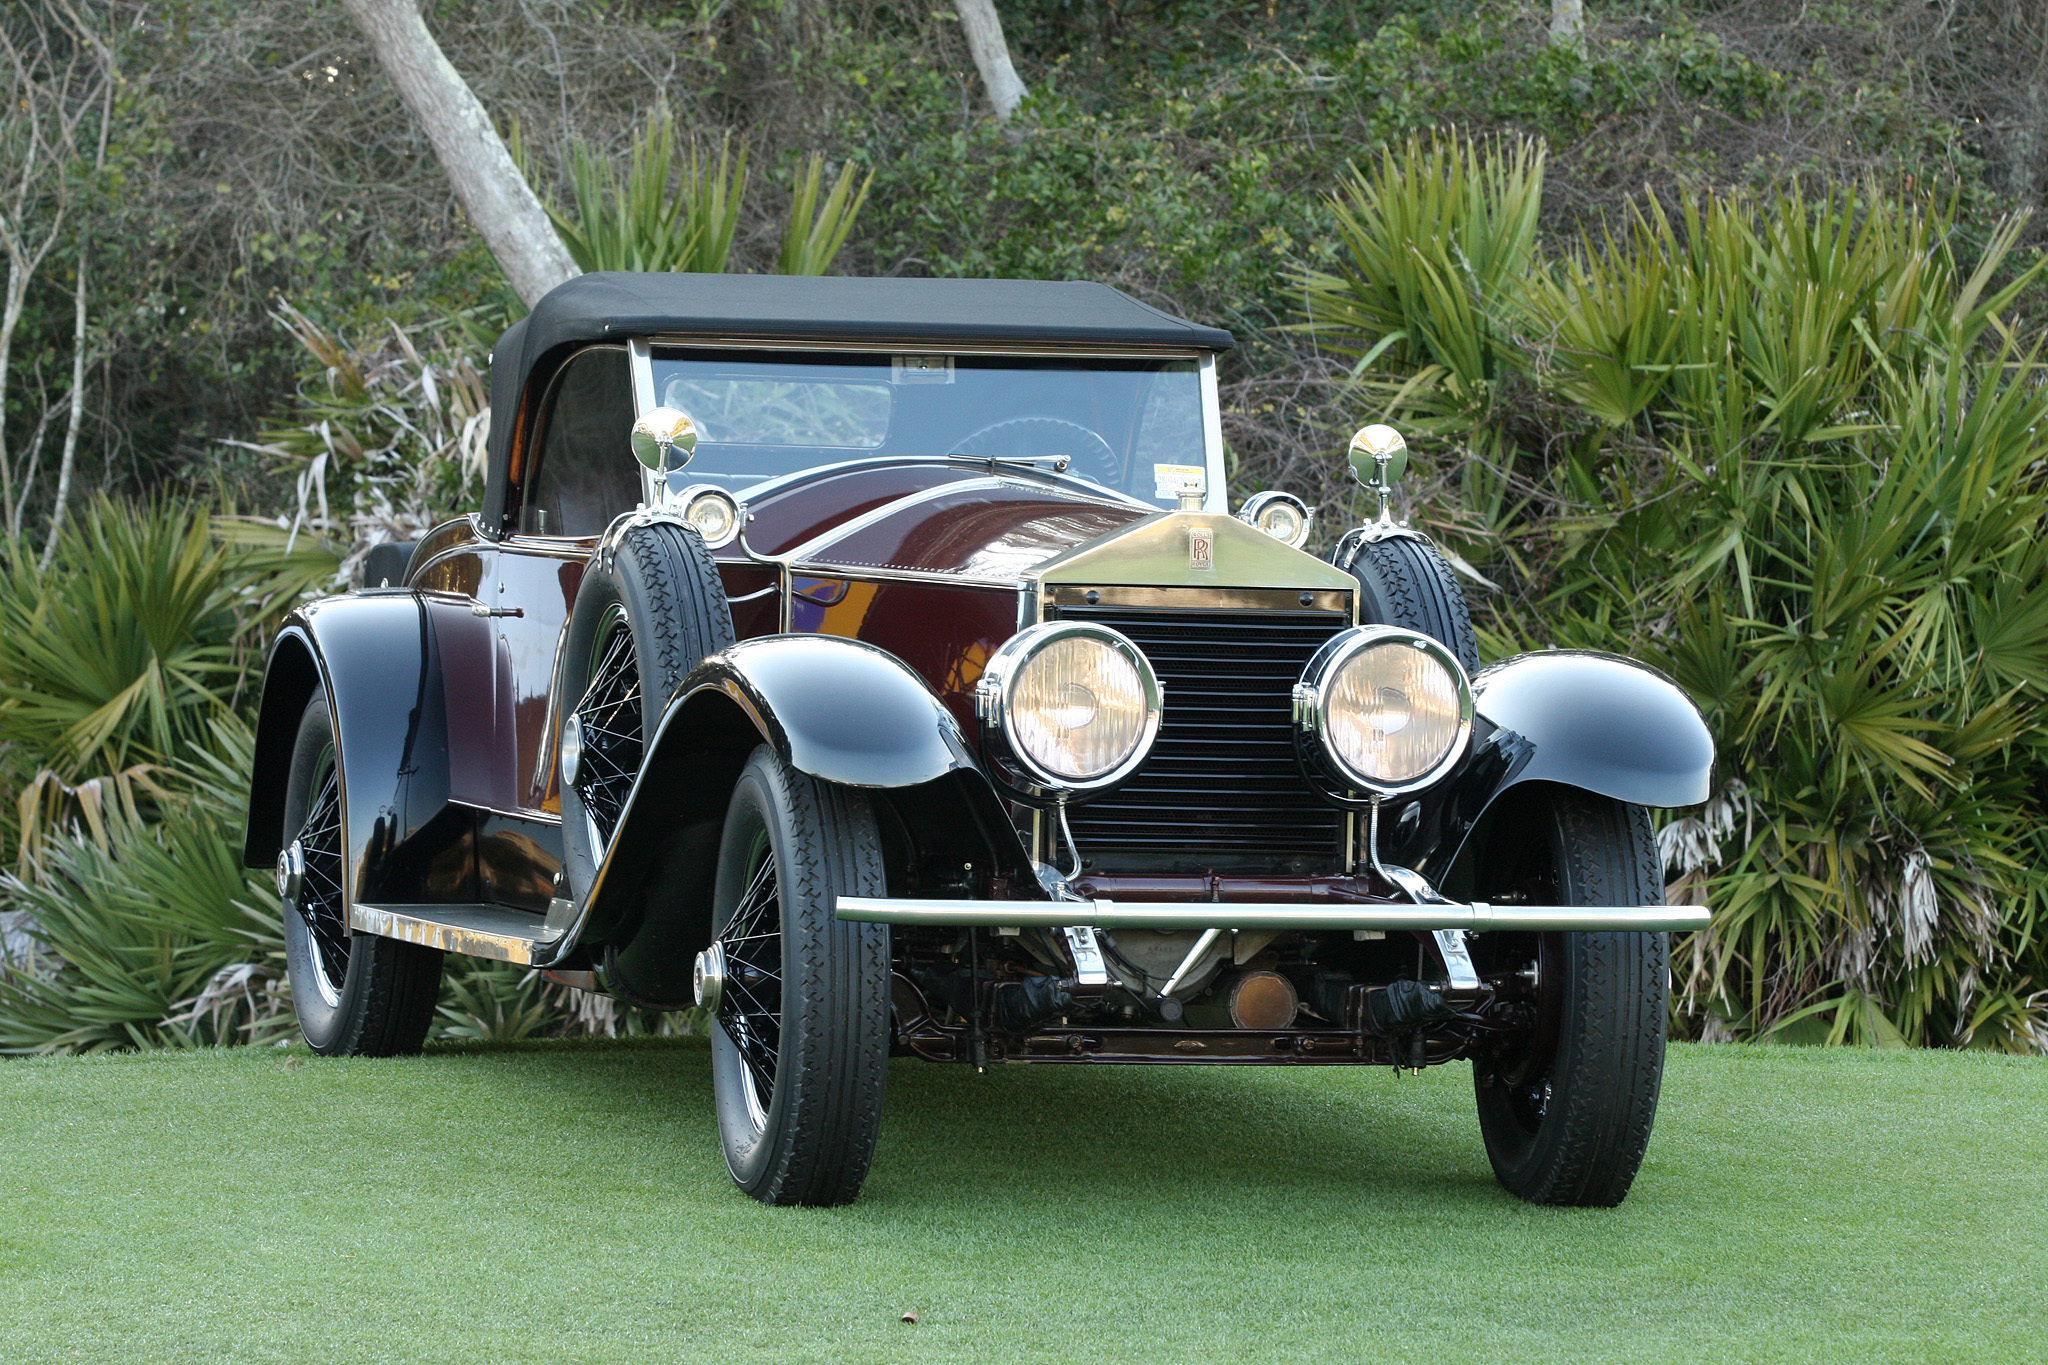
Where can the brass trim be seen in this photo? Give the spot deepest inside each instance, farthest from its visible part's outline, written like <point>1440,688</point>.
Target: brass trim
<point>1199,599</point>
<point>1155,552</point>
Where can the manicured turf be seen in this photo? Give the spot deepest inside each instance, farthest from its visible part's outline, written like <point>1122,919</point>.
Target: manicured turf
<point>568,1202</point>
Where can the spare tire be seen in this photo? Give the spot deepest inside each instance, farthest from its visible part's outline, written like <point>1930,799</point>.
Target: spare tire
<point>645,615</point>
<point>1404,581</point>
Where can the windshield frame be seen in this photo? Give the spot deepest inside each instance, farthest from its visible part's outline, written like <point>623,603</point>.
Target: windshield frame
<point>640,353</point>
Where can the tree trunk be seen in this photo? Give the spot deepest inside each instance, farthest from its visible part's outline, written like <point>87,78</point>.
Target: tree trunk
<point>1567,21</point>
<point>77,417</point>
<point>984,29</point>
<point>499,201</point>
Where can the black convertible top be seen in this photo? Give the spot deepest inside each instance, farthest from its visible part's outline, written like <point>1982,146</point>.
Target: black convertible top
<point>613,306</point>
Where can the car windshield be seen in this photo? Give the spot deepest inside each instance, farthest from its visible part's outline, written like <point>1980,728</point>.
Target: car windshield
<point>1131,425</point>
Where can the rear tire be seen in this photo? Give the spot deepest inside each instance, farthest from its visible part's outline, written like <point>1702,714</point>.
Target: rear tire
<point>356,995</point>
<point>800,1048</point>
<point>1403,581</point>
<point>1566,1110</point>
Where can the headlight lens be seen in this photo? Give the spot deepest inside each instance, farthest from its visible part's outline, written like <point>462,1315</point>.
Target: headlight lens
<point>1076,705</point>
<point>716,517</point>
<point>1389,709</point>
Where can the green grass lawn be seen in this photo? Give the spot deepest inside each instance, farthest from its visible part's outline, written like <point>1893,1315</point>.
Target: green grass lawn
<point>568,1202</point>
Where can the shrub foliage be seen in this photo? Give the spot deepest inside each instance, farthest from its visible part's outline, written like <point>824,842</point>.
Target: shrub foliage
<point>1789,449</point>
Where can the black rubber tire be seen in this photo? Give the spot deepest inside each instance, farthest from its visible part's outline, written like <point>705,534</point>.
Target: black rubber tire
<point>814,1136</point>
<point>665,583</point>
<point>385,1001</point>
<point>1567,1116</point>
<point>1405,582</point>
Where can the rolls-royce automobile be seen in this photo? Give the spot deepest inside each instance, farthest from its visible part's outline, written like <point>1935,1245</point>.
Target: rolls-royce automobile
<point>876,666</point>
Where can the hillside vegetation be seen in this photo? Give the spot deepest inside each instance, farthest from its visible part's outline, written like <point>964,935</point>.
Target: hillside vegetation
<point>1716,334</point>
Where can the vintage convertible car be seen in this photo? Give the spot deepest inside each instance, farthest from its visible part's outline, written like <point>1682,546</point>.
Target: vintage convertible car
<point>876,665</point>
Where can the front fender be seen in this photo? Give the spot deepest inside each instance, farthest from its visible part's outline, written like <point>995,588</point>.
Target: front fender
<point>1597,721</point>
<point>1578,718</point>
<point>839,710</point>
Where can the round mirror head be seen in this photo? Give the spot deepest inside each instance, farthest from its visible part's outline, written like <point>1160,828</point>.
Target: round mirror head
<point>664,439</point>
<point>1378,455</point>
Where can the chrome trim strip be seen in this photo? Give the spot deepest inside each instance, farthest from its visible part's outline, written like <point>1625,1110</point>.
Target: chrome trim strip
<point>474,930</point>
<point>1212,436</point>
<point>1477,916</point>
<point>534,815</point>
<point>925,346</point>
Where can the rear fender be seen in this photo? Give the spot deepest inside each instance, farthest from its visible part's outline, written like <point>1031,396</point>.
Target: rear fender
<point>838,710</point>
<point>414,786</point>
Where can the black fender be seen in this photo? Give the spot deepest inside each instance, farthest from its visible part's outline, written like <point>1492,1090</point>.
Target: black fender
<point>840,710</point>
<point>420,795</point>
<point>1578,718</point>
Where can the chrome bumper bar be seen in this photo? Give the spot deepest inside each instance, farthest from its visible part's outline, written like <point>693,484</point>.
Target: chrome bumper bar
<point>1476,917</point>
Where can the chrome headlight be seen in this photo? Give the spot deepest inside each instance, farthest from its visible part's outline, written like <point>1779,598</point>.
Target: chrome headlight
<point>1383,710</point>
<point>715,515</point>
<point>1068,707</point>
<point>1282,516</point>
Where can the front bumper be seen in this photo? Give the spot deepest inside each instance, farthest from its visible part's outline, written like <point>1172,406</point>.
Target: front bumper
<point>1103,914</point>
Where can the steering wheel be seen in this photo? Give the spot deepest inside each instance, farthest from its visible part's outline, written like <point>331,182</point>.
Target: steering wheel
<point>1044,438</point>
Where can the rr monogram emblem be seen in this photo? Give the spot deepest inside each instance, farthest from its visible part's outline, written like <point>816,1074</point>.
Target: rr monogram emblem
<point>1201,547</point>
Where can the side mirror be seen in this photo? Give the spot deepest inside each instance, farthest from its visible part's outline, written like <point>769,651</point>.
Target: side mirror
<point>1378,457</point>
<point>664,439</point>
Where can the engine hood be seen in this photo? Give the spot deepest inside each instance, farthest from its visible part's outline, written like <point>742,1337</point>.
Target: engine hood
<point>966,525</point>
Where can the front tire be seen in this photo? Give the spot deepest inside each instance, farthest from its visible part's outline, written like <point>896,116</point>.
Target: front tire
<point>1566,1108</point>
<point>800,1047</point>
<point>356,995</point>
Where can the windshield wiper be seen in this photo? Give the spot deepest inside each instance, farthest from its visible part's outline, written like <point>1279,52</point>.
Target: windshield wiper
<point>1030,463</point>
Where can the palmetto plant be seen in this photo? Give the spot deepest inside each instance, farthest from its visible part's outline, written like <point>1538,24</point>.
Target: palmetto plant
<point>124,649</point>
<point>1789,450</point>
<point>146,933</point>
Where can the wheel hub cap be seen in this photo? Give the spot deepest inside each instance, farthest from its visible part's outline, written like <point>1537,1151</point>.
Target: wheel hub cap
<point>291,872</point>
<point>572,749</point>
<point>708,979</point>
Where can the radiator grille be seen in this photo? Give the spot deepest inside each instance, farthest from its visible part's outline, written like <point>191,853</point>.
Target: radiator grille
<point>1221,787</point>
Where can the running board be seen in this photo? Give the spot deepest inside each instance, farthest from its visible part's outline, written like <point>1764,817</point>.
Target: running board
<point>1476,916</point>
<point>475,930</point>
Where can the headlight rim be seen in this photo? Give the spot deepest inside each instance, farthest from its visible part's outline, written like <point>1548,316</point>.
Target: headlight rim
<point>1312,702</point>
<point>1248,513</point>
<point>993,702</point>
<point>684,499</point>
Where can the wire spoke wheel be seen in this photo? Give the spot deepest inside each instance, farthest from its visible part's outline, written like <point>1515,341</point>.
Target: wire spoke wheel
<point>800,1046</point>
<point>320,902</point>
<point>750,1010</point>
<point>612,718</point>
<point>356,994</point>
